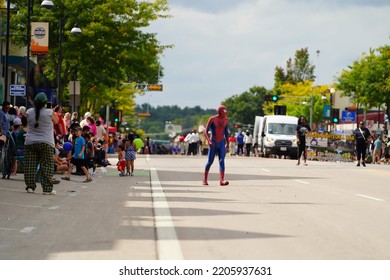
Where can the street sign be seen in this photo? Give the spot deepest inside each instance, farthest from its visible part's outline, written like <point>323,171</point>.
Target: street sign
<point>144,115</point>
<point>348,116</point>
<point>17,90</point>
<point>169,128</point>
<point>74,87</point>
<point>155,87</point>
<point>74,94</point>
<point>326,112</point>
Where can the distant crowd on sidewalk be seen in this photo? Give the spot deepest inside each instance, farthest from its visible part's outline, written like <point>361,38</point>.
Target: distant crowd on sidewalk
<point>41,141</point>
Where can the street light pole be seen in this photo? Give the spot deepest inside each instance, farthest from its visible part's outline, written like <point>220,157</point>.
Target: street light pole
<point>311,110</point>
<point>75,30</point>
<point>59,93</point>
<point>6,62</point>
<point>29,9</point>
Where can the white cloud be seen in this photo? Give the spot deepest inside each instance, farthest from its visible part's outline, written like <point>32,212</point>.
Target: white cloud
<point>222,52</point>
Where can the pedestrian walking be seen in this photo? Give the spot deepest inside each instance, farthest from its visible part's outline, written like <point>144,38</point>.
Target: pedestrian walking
<point>302,129</point>
<point>362,138</point>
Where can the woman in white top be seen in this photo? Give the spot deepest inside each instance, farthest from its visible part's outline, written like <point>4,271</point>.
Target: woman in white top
<point>39,145</point>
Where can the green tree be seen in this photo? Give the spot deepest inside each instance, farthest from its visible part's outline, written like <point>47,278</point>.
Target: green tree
<point>113,48</point>
<point>367,81</point>
<point>244,107</point>
<point>297,71</point>
<point>298,98</point>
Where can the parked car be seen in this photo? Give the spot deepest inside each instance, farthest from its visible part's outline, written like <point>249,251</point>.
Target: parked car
<point>161,147</point>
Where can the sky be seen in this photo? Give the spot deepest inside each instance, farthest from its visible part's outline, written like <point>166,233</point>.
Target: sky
<point>223,48</point>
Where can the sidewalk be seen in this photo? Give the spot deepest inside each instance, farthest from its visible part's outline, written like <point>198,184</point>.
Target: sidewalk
<point>108,218</point>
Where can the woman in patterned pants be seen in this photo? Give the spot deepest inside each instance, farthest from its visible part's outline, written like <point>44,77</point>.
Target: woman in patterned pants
<point>39,146</point>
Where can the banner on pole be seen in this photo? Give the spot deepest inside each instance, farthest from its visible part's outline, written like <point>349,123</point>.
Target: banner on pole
<point>39,38</point>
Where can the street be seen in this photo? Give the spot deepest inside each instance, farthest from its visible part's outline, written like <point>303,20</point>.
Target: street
<point>271,210</point>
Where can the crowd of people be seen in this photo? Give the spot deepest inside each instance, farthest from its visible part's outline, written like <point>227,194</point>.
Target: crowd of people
<point>44,140</point>
<point>195,143</point>
<point>40,141</point>
<point>371,147</point>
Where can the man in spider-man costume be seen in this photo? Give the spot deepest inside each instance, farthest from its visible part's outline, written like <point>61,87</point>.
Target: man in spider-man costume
<point>219,142</point>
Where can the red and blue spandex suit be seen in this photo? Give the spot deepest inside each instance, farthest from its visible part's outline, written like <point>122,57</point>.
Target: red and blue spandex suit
<point>218,125</point>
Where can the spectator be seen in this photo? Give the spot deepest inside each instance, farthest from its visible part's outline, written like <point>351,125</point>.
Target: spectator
<point>39,146</point>
<point>378,148</point>
<point>248,143</point>
<point>59,128</point>
<point>67,120</point>
<point>78,157</point>
<point>75,118</point>
<point>4,120</point>
<point>84,121</point>
<point>240,144</point>
<point>130,154</point>
<point>232,144</point>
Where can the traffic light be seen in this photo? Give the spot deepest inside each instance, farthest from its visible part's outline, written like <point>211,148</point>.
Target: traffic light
<point>335,115</point>
<point>118,116</point>
<point>270,97</point>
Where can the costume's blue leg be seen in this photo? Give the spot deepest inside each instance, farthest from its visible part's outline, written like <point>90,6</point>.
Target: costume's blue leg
<point>210,161</point>
<point>221,156</point>
<point>211,156</point>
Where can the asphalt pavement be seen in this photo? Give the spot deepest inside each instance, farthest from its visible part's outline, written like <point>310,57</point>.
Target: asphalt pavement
<point>272,209</point>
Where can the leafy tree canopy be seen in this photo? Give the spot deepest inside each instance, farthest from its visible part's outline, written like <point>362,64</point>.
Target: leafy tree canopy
<point>297,71</point>
<point>113,48</point>
<point>244,107</point>
<point>367,81</point>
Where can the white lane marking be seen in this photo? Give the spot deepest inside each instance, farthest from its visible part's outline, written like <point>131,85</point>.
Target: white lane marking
<point>20,205</point>
<point>302,182</point>
<point>370,197</point>
<point>1,228</point>
<point>12,190</point>
<point>265,170</point>
<point>27,229</point>
<point>168,247</point>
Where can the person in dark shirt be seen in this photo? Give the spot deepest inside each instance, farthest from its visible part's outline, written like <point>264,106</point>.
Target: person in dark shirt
<point>302,129</point>
<point>362,136</point>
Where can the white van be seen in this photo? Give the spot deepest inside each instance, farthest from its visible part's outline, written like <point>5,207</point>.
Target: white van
<point>275,134</point>
<point>257,130</point>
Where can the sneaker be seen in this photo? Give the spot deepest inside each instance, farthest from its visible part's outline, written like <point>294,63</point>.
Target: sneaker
<point>87,180</point>
<point>53,192</point>
<point>29,190</point>
<point>358,164</point>
<point>65,178</point>
<point>122,174</point>
<point>363,163</point>
<point>131,174</point>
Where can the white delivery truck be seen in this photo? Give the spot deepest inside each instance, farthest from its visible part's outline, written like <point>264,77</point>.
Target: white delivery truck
<point>275,134</point>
